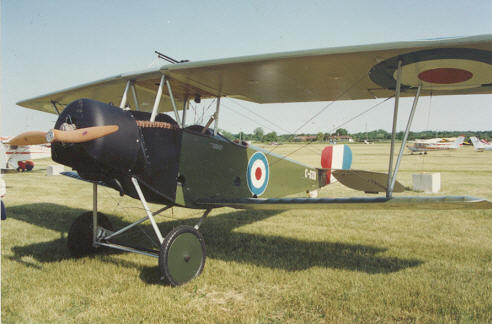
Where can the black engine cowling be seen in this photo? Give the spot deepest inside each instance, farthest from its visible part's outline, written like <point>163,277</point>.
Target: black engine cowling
<point>116,153</point>
<point>148,153</point>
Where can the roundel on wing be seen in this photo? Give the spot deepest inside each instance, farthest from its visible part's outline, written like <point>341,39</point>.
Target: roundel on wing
<point>258,173</point>
<point>437,69</point>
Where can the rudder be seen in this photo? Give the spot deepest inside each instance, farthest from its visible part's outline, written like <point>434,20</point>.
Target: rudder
<point>336,157</point>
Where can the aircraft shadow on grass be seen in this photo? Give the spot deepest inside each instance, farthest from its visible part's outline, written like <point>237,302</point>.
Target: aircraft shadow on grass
<point>222,242</point>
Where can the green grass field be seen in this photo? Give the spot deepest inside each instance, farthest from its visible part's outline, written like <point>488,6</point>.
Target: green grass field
<point>289,266</point>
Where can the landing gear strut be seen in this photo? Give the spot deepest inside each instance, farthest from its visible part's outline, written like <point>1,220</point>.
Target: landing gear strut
<point>181,255</point>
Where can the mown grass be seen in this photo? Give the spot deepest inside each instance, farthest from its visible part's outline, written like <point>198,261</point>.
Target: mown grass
<point>288,266</point>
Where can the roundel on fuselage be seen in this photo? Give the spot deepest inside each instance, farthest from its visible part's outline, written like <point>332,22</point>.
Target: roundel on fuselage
<point>258,173</point>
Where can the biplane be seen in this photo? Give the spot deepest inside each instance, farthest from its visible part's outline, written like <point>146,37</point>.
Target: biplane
<point>119,132</point>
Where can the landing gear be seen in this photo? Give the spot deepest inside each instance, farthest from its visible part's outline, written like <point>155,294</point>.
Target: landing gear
<point>182,255</point>
<point>80,234</point>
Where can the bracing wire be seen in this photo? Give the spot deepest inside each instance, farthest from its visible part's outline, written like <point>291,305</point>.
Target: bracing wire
<point>330,104</point>
<point>336,127</point>
<point>254,121</point>
<point>260,116</point>
<point>204,111</point>
<point>124,209</point>
<point>309,120</point>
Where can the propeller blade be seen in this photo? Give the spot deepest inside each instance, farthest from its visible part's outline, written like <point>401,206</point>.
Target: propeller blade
<point>29,138</point>
<point>55,135</point>
<point>81,135</point>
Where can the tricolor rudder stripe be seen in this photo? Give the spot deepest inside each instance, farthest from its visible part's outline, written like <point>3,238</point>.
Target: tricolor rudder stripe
<point>336,157</point>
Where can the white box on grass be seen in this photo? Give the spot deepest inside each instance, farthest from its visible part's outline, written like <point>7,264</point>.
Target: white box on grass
<point>427,182</point>
<point>53,170</point>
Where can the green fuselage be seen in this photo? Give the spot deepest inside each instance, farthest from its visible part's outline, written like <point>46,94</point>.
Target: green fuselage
<point>212,167</point>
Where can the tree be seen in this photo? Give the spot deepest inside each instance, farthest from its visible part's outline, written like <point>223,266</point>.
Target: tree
<point>341,131</point>
<point>227,135</point>
<point>258,134</point>
<point>270,137</point>
<point>320,137</point>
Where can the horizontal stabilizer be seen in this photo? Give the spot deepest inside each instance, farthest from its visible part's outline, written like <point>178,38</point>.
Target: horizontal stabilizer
<point>367,181</point>
<point>367,203</point>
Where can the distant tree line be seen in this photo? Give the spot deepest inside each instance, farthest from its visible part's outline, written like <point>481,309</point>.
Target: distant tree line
<point>379,135</point>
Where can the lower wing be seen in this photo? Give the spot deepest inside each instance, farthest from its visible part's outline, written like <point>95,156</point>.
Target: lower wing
<point>372,203</point>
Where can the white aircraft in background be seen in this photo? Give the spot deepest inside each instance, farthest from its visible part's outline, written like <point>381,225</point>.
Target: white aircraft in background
<point>436,140</point>
<point>19,157</point>
<point>480,145</point>
<point>432,145</point>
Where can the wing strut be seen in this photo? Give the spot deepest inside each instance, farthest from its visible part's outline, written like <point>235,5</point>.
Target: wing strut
<point>392,174</point>
<point>186,104</point>
<point>173,102</point>
<point>157,98</point>
<point>135,98</point>
<point>405,136</point>
<point>125,95</point>
<point>53,103</point>
<point>217,109</point>
<point>393,133</point>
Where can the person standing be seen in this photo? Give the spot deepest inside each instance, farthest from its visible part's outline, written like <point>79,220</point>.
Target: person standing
<point>3,190</point>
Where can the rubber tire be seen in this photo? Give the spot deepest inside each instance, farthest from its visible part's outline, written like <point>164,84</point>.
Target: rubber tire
<point>197,247</point>
<point>19,169</point>
<point>79,241</point>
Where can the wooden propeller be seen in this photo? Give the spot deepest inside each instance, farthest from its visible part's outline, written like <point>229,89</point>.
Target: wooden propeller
<point>55,135</point>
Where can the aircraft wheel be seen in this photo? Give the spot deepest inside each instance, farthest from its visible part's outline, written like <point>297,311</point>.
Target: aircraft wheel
<point>80,234</point>
<point>182,255</point>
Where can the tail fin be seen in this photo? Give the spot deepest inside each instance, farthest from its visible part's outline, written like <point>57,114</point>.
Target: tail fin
<point>460,140</point>
<point>476,143</point>
<point>336,157</point>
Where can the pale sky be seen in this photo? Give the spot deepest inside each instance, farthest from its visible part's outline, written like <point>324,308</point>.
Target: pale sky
<point>51,45</point>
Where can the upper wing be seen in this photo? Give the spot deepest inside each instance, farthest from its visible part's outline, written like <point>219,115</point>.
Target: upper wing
<point>109,90</point>
<point>443,67</point>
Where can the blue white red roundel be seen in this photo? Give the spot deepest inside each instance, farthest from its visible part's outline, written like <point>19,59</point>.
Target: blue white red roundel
<point>437,69</point>
<point>257,173</point>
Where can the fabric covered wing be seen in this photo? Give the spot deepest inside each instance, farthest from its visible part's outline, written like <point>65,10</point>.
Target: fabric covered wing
<point>109,90</point>
<point>416,202</point>
<point>445,67</point>
<point>348,73</point>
